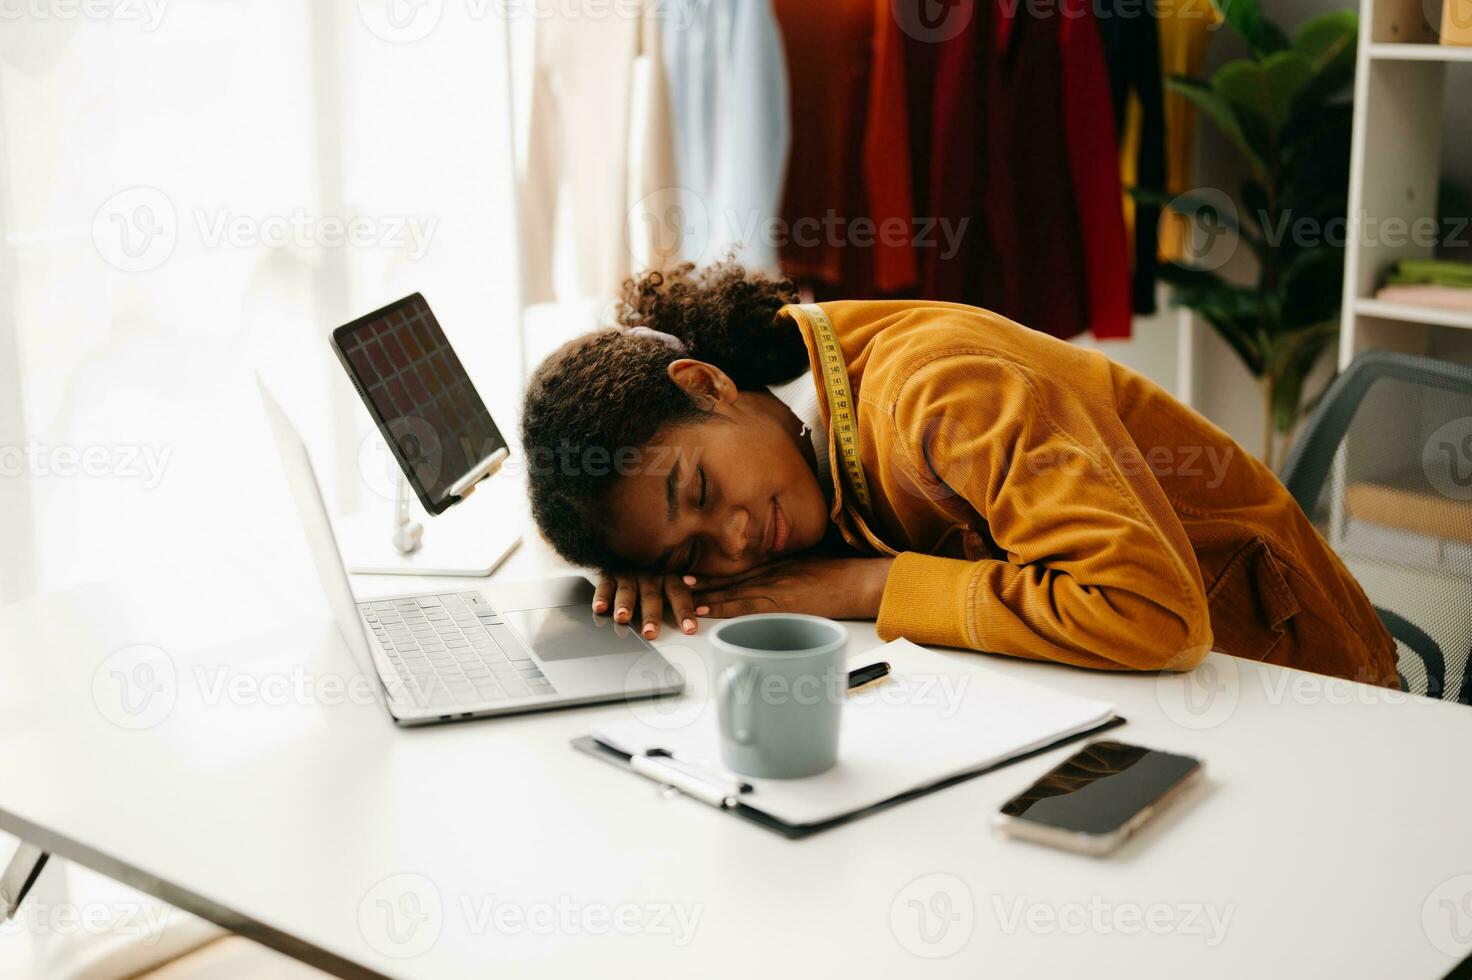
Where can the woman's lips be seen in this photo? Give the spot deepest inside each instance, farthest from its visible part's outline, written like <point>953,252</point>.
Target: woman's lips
<point>781,530</point>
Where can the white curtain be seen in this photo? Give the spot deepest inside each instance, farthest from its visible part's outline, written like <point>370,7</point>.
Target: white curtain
<point>193,189</point>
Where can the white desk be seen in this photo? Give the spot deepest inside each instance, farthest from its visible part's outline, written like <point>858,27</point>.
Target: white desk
<point>1326,843</point>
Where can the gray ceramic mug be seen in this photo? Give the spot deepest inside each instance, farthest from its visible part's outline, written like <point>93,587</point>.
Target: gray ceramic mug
<point>780,684</point>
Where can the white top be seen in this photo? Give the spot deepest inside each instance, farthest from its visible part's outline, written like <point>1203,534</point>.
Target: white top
<point>801,396</point>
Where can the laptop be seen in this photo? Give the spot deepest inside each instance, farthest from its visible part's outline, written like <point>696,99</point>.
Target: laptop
<point>496,650</point>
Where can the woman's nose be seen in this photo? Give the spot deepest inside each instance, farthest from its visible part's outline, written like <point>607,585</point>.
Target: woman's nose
<point>735,536</point>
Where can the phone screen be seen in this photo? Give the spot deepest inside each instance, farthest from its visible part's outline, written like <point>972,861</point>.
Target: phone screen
<point>1100,788</point>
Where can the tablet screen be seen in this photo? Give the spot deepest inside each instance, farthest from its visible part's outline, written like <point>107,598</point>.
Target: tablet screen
<point>419,395</point>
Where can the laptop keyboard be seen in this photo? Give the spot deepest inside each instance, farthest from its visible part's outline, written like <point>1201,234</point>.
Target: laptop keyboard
<point>453,652</point>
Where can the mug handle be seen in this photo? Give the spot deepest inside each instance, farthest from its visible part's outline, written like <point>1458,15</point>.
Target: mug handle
<point>736,718</point>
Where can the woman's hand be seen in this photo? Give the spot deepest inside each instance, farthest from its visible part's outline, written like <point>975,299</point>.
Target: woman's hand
<point>644,593</point>
<point>839,588</point>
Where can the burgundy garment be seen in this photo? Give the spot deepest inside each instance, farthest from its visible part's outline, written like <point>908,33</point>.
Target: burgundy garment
<point>1006,118</point>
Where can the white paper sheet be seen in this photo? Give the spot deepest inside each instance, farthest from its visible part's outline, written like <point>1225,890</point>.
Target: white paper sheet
<point>934,718</point>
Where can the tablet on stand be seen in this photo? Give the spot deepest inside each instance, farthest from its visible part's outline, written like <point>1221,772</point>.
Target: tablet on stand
<point>439,441</point>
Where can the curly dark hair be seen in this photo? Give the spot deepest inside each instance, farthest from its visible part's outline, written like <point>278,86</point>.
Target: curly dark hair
<point>607,392</point>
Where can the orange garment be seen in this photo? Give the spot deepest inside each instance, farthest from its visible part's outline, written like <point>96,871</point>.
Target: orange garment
<point>850,148</point>
<point>1186,27</point>
<point>1045,502</point>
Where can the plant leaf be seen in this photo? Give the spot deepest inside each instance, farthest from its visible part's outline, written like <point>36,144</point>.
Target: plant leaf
<point>1245,17</point>
<point>1329,43</point>
<point>1262,94</point>
<point>1293,360</point>
<point>1219,111</point>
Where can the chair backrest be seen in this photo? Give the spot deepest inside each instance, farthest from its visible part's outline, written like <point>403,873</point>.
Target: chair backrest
<point>1383,468</point>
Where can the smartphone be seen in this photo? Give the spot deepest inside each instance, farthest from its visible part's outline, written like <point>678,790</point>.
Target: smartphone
<point>1095,799</point>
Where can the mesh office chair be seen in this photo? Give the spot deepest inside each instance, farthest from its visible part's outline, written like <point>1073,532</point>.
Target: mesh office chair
<point>1383,468</point>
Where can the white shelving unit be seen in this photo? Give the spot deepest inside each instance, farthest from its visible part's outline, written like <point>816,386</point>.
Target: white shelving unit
<point>1395,168</point>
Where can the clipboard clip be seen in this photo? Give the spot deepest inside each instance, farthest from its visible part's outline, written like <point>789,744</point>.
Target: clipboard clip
<point>691,780</point>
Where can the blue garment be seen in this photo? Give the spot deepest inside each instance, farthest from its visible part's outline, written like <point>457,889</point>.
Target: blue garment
<point>727,77</point>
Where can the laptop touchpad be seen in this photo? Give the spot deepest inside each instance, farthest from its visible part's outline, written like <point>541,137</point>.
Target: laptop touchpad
<point>572,632</point>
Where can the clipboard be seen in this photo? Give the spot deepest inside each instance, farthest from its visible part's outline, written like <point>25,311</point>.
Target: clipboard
<point>749,812</point>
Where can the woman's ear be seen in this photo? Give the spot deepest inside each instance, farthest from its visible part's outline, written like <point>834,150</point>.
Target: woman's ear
<point>707,385</point>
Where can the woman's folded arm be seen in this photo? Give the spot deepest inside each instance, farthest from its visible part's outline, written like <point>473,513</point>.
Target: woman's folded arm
<point>1099,571</point>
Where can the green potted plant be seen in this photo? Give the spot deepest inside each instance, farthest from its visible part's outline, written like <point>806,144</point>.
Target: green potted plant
<point>1285,113</point>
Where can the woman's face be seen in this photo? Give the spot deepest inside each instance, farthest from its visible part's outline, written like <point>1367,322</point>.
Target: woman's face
<point>721,494</point>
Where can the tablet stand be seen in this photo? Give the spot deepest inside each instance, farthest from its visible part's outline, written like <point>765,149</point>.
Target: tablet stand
<point>467,539</point>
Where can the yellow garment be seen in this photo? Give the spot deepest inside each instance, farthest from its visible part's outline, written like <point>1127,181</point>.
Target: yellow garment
<point>1045,502</point>
<point>1185,30</point>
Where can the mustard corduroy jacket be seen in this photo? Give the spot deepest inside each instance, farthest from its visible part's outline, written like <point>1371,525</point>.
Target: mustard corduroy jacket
<point>1046,502</point>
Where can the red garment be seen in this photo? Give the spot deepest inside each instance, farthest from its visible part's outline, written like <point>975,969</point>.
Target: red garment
<point>849,159</point>
<point>1093,151</point>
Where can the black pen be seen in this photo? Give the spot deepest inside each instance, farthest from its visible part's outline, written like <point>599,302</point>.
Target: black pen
<point>864,676</point>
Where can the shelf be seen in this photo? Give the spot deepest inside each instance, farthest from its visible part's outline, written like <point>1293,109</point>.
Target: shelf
<point>1420,52</point>
<point>1413,314</point>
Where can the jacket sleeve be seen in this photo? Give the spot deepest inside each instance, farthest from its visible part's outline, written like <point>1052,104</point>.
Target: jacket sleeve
<point>1099,570</point>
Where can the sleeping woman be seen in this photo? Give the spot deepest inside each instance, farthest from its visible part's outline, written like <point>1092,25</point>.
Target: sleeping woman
<point>955,476</point>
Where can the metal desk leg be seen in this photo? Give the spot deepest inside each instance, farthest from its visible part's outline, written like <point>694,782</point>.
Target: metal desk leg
<point>19,876</point>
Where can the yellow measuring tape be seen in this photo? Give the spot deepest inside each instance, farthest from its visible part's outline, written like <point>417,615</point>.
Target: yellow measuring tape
<point>842,412</point>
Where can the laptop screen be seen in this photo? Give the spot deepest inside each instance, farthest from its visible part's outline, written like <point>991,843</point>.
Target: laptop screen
<point>419,395</point>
